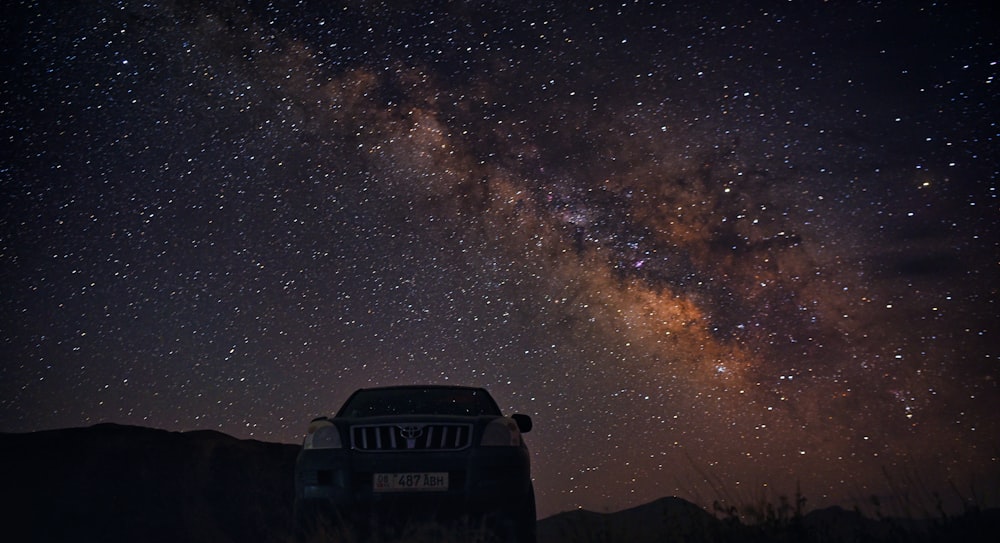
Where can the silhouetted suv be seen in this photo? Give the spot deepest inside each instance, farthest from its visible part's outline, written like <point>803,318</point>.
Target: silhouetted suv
<point>443,453</point>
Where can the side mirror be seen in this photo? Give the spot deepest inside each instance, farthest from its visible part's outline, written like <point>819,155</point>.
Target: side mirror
<point>523,422</point>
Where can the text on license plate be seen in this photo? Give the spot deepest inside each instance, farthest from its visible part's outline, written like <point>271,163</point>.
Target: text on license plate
<point>397,482</point>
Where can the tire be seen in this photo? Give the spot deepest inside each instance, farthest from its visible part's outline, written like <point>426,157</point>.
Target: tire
<point>515,523</point>
<point>525,524</point>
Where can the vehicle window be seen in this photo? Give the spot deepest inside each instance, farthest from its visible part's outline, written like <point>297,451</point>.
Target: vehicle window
<point>419,401</point>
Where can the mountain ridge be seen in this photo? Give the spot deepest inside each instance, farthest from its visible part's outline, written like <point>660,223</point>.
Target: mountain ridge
<point>112,482</point>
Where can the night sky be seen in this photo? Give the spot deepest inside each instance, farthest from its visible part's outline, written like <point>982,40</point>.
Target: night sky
<point>717,251</point>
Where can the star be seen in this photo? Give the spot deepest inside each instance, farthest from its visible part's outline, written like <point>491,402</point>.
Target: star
<point>716,252</point>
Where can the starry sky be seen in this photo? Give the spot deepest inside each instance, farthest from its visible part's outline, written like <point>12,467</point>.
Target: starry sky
<point>718,250</point>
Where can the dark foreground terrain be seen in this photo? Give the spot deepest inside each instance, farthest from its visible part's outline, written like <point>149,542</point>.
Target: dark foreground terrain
<point>111,483</point>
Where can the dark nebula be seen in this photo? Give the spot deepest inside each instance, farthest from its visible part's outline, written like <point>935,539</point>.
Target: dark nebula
<point>718,251</point>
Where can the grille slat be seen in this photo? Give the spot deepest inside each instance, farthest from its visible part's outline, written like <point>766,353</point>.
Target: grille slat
<point>408,437</point>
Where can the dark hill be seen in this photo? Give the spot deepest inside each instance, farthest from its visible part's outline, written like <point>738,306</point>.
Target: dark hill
<point>676,520</point>
<point>113,483</point>
<point>650,522</point>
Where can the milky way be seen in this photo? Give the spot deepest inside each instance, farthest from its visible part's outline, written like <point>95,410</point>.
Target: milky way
<point>716,252</point>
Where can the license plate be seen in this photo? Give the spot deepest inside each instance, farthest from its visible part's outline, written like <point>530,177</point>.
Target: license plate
<point>410,482</point>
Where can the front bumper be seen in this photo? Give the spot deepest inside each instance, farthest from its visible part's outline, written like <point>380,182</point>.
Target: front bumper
<point>481,480</point>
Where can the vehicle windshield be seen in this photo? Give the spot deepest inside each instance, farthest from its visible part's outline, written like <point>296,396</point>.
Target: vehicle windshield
<point>470,402</point>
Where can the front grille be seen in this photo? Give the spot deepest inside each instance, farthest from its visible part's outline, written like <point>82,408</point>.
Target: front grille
<point>407,437</point>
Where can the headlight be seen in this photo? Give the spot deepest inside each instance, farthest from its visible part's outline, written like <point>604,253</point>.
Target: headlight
<point>324,437</point>
<point>501,432</point>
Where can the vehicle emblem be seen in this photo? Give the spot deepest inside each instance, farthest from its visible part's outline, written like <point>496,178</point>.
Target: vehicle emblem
<point>410,434</point>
